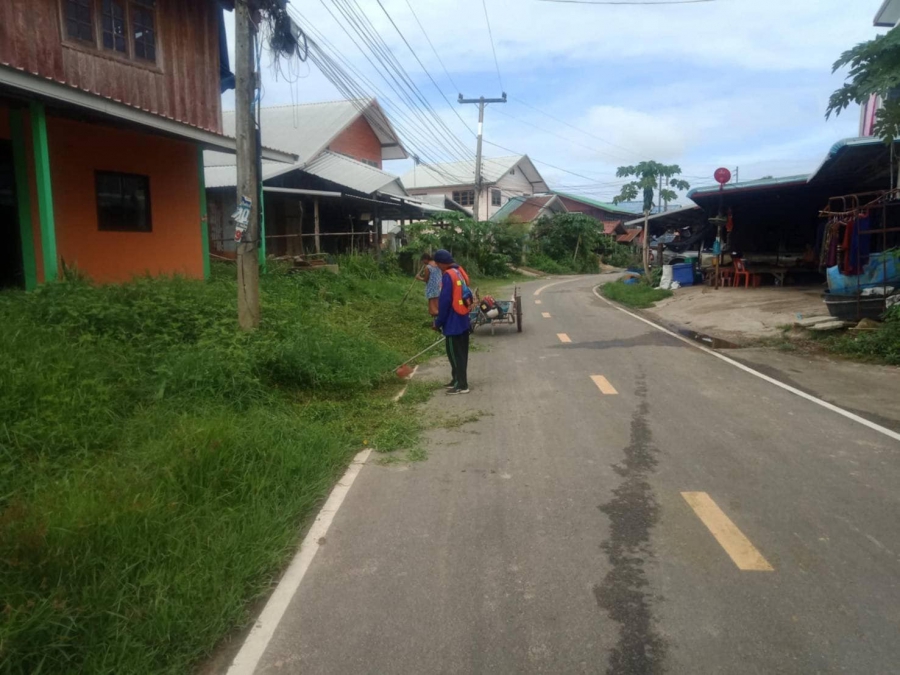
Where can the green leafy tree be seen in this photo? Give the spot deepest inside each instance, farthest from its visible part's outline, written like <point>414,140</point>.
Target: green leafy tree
<point>646,180</point>
<point>572,240</point>
<point>874,70</point>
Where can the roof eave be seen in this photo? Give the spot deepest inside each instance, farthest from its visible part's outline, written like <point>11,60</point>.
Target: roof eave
<point>70,95</point>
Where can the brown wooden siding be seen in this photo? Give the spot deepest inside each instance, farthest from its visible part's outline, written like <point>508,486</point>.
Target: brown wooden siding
<point>184,84</point>
<point>359,142</point>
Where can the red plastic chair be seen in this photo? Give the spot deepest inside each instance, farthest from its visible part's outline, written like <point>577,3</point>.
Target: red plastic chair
<point>741,272</point>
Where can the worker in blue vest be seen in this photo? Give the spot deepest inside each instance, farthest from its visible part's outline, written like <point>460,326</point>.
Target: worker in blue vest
<point>453,319</point>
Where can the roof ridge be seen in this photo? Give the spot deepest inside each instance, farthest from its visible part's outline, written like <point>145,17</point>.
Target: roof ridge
<point>371,99</point>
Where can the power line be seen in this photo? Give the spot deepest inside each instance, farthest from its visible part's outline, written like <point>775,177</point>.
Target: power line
<point>628,2</point>
<point>425,33</point>
<point>344,76</point>
<point>419,61</point>
<point>569,140</point>
<point>363,26</point>
<point>392,76</point>
<point>534,159</point>
<point>572,126</point>
<point>491,36</point>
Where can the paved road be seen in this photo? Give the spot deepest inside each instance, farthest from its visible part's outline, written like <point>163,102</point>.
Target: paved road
<point>553,536</point>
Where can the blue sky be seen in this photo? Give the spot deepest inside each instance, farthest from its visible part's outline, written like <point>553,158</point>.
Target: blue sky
<point>724,83</point>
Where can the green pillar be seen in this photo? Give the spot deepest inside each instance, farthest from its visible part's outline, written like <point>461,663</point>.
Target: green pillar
<point>204,215</point>
<point>262,226</point>
<point>23,197</point>
<point>44,190</point>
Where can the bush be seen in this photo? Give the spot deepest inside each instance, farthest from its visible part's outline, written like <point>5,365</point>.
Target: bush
<point>881,345</point>
<point>545,263</point>
<point>573,240</point>
<point>156,462</point>
<point>484,249</point>
<point>639,295</point>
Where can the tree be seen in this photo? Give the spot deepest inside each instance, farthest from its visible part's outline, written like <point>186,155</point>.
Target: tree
<point>647,176</point>
<point>874,70</point>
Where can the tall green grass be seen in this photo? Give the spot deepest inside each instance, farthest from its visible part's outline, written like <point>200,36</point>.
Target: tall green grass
<point>156,463</point>
<point>640,295</point>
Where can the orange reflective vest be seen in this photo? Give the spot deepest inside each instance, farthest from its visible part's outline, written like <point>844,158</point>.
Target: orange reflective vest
<point>460,280</point>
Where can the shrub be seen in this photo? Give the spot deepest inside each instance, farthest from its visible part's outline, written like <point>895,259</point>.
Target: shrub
<point>156,462</point>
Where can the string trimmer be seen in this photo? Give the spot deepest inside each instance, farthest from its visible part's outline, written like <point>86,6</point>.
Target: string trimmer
<point>405,371</point>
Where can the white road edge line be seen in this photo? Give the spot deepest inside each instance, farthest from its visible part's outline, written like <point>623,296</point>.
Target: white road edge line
<point>771,380</point>
<point>258,640</point>
<point>555,283</point>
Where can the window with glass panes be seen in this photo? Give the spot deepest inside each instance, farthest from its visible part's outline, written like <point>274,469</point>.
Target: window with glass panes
<point>464,197</point>
<point>127,27</point>
<point>123,202</point>
<point>79,16</point>
<point>495,197</point>
<point>144,29</point>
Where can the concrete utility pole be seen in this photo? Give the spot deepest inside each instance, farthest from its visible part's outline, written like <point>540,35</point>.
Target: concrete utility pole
<point>478,178</point>
<point>247,163</point>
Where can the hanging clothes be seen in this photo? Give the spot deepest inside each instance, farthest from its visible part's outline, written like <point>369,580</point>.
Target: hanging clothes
<point>846,261</point>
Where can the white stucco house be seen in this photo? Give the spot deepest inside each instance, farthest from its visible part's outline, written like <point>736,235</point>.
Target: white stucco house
<point>503,178</point>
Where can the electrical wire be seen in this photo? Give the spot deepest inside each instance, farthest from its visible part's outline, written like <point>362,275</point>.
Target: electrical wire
<point>628,2</point>
<point>387,74</point>
<point>603,153</point>
<point>493,49</point>
<point>385,54</point>
<point>433,49</point>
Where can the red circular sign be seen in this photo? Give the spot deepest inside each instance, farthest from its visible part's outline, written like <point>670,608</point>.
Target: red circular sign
<point>722,175</point>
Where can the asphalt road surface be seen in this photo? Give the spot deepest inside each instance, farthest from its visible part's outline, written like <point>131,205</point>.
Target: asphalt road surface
<point>625,503</point>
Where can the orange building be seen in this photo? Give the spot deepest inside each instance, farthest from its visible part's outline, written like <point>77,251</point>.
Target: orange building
<point>105,109</point>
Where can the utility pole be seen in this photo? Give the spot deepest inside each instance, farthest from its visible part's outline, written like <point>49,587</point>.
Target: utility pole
<point>481,101</point>
<point>737,175</point>
<point>247,145</point>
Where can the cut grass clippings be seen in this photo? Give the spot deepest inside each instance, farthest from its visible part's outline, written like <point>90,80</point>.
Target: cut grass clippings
<point>156,463</point>
<point>639,295</point>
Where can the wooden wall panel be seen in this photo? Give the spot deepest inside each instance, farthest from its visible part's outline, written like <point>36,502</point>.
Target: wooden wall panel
<point>184,85</point>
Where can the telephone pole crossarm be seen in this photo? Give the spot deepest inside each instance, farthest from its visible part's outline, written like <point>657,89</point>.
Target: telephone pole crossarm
<point>481,101</point>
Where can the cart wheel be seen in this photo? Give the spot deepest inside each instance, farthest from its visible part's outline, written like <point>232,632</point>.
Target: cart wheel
<point>518,314</point>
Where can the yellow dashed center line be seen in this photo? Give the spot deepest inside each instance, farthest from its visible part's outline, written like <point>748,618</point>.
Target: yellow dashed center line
<point>736,545</point>
<point>563,337</point>
<point>603,385</point>
<point>546,315</point>
<point>537,302</point>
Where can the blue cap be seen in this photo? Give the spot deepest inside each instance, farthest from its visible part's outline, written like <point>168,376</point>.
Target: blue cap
<point>443,257</point>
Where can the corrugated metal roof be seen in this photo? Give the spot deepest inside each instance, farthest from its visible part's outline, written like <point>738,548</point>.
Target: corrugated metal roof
<point>226,176</point>
<point>305,130</point>
<point>762,183</point>
<point>331,166</point>
<point>457,173</point>
<point>355,175</point>
<point>606,206</point>
<point>463,173</point>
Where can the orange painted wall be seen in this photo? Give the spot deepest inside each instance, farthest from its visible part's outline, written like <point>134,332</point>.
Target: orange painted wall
<point>358,141</point>
<point>77,150</point>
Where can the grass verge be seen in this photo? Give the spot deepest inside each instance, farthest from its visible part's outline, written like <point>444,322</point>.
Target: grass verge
<point>639,295</point>
<point>156,463</point>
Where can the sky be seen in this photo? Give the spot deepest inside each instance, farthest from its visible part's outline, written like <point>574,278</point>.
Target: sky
<point>734,83</point>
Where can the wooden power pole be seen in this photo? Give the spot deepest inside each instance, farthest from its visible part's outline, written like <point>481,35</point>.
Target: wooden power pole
<point>478,178</point>
<point>245,83</point>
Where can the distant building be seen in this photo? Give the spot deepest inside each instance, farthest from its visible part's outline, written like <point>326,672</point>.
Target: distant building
<point>529,209</point>
<point>334,197</point>
<point>503,179</point>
